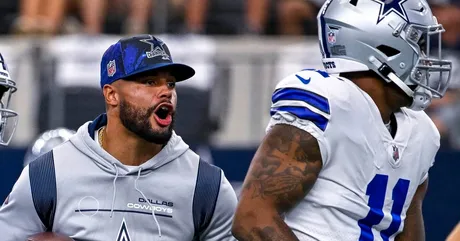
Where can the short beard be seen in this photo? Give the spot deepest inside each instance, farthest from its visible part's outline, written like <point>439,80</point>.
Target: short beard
<point>137,120</point>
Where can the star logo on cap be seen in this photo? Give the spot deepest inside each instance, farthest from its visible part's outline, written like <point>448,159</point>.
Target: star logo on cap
<point>156,48</point>
<point>389,6</point>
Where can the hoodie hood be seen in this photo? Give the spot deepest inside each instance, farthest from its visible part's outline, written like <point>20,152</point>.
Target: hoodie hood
<point>84,141</point>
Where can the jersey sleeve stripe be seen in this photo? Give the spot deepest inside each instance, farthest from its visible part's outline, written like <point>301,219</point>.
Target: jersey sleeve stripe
<point>297,103</point>
<point>305,114</point>
<point>319,102</point>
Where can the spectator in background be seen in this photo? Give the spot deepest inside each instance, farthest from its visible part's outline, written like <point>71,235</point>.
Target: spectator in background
<point>138,17</point>
<point>256,15</point>
<point>291,15</point>
<point>195,15</point>
<point>446,116</point>
<point>445,112</point>
<point>39,16</point>
<point>448,12</point>
<point>48,16</point>
<point>140,12</point>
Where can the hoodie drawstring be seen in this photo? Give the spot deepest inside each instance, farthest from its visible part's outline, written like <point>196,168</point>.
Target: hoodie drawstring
<point>145,198</point>
<point>114,189</point>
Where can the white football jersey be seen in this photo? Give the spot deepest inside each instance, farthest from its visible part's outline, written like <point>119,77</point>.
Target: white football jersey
<point>368,177</point>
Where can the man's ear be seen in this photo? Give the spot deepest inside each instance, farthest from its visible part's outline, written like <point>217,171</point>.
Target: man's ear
<point>111,96</point>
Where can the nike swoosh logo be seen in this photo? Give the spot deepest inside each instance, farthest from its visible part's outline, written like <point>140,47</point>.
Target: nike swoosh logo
<point>421,10</point>
<point>305,81</point>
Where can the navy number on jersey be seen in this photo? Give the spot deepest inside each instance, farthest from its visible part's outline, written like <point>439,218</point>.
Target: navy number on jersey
<point>376,190</point>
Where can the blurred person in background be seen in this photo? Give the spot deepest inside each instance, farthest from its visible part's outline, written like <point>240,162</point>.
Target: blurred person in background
<point>445,112</point>
<point>48,17</point>
<point>294,16</point>
<point>291,15</point>
<point>195,16</point>
<point>446,116</point>
<point>140,13</point>
<point>137,21</point>
<point>448,14</point>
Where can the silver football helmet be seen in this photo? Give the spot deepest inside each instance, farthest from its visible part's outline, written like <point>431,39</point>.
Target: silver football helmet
<point>8,117</point>
<point>394,38</point>
<point>46,142</point>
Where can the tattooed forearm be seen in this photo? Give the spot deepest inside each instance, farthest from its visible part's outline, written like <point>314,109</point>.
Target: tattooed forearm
<point>286,167</point>
<point>282,172</point>
<point>272,233</point>
<point>279,231</point>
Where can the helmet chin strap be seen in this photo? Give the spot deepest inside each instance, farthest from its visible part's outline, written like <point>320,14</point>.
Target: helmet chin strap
<point>421,97</point>
<point>391,76</point>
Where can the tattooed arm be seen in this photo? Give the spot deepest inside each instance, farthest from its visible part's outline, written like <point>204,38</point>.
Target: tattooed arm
<point>414,228</point>
<point>282,172</point>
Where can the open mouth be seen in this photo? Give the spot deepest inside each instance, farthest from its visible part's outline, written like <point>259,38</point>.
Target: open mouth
<point>163,114</point>
<point>163,111</point>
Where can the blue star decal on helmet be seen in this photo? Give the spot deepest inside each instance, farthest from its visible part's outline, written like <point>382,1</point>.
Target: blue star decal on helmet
<point>389,6</point>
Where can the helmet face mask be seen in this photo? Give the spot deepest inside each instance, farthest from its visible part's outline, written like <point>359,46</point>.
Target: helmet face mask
<point>395,39</point>
<point>430,71</point>
<point>8,117</point>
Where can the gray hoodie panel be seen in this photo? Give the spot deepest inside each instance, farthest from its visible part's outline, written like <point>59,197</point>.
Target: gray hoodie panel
<point>226,203</point>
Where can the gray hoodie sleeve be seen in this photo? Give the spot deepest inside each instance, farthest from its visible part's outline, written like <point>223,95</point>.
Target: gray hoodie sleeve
<point>18,218</point>
<point>220,226</point>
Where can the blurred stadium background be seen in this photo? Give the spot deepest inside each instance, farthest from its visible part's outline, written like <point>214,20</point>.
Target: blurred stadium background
<point>240,49</point>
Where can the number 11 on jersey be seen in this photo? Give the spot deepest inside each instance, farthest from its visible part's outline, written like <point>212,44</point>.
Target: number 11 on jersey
<point>376,190</point>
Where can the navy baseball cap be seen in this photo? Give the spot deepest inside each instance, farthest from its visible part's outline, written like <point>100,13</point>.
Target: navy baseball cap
<point>138,54</point>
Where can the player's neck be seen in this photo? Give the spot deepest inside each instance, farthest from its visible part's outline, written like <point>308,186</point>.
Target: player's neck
<point>384,109</point>
<point>127,147</point>
<point>376,90</point>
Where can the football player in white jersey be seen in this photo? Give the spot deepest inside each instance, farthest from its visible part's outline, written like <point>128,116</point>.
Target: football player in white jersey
<point>346,157</point>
